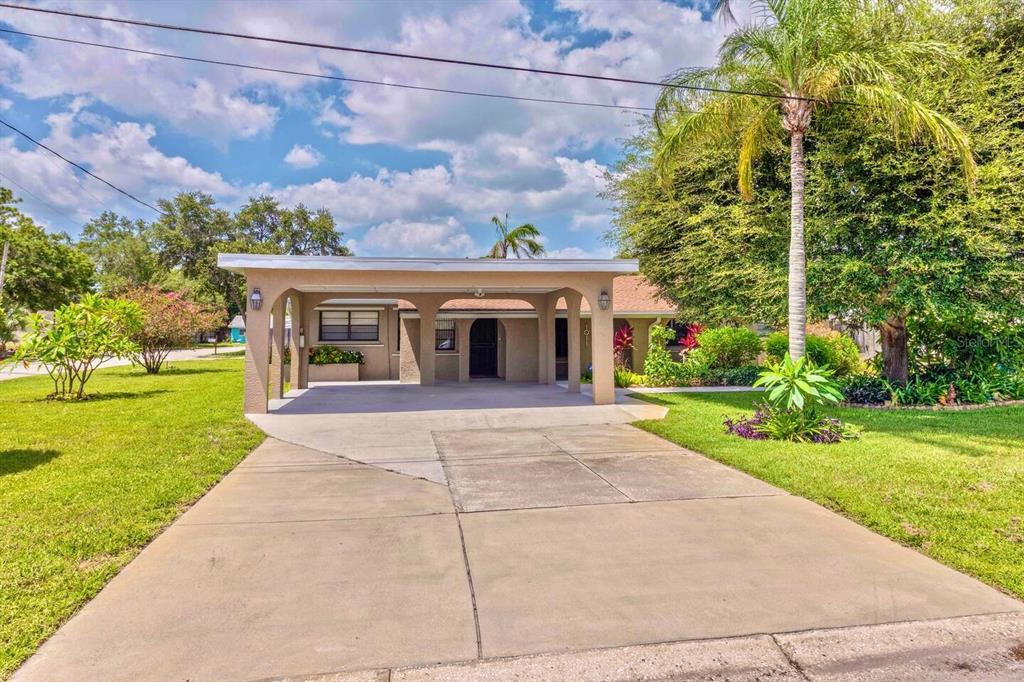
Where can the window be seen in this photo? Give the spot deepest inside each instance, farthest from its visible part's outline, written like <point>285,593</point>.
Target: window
<point>349,325</point>
<point>444,335</point>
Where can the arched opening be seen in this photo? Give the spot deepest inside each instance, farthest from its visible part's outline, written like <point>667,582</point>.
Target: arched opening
<point>483,348</point>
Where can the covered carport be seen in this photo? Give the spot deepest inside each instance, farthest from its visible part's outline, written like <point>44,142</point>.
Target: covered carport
<point>273,281</point>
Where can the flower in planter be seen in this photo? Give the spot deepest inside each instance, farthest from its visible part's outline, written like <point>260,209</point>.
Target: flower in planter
<point>332,355</point>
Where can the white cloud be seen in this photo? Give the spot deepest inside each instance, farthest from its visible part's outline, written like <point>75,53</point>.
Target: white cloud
<point>577,252</point>
<point>597,222</point>
<point>421,194</point>
<point>5,104</point>
<point>446,238</point>
<point>303,156</point>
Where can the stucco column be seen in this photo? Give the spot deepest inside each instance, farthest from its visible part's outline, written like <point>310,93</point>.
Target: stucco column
<point>602,324</point>
<point>462,343</point>
<point>257,348</point>
<point>307,313</point>
<point>641,341</point>
<point>542,340</point>
<point>550,364</point>
<point>277,349</point>
<point>572,303</point>
<point>428,318</point>
<point>297,330</point>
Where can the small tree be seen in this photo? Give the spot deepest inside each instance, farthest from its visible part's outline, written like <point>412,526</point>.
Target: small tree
<point>169,321</point>
<point>12,318</point>
<point>80,338</point>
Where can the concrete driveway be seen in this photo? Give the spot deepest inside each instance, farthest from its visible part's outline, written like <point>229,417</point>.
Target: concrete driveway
<point>530,537</point>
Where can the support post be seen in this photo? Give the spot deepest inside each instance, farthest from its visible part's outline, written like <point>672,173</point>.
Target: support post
<point>277,349</point>
<point>602,324</point>
<point>306,308</point>
<point>428,319</point>
<point>257,349</point>
<point>551,362</point>
<point>462,327</point>
<point>298,329</point>
<point>572,303</point>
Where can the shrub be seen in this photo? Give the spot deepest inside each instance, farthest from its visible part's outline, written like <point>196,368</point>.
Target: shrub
<point>659,365</point>
<point>838,351</point>
<point>79,339</point>
<point>622,344</point>
<point>169,321</point>
<point>624,378</point>
<point>865,389</point>
<point>794,391</point>
<point>729,347</point>
<point>332,355</point>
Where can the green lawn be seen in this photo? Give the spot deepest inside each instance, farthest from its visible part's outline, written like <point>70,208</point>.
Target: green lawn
<point>84,486</point>
<point>948,483</point>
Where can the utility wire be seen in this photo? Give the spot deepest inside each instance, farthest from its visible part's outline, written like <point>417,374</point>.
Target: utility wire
<point>46,204</point>
<point>400,55</point>
<point>327,76</point>
<point>80,167</point>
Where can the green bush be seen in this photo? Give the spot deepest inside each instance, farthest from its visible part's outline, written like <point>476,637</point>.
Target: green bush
<point>729,347</point>
<point>865,389</point>
<point>332,355</point>
<point>659,365</point>
<point>838,351</point>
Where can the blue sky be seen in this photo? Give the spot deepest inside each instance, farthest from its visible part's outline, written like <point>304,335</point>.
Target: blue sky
<point>404,173</point>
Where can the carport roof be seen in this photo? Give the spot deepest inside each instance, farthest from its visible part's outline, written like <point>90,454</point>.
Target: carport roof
<point>240,262</point>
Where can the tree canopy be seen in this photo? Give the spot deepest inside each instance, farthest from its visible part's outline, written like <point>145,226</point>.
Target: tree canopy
<point>894,235</point>
<point>44,270</point>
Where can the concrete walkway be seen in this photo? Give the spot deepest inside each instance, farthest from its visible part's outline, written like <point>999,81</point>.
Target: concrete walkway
<point>551,551</point>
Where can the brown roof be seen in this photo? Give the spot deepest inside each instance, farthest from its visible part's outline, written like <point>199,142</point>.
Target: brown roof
<point>630,294</point>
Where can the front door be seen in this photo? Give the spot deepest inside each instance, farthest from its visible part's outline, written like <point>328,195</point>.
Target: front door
<point>483,348</point>
<point>561,349</point>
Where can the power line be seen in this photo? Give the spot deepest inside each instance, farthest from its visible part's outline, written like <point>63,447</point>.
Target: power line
<point>80,167</point>
<point>327,76</point>
<point>46,204</point>
<point>399,55</point>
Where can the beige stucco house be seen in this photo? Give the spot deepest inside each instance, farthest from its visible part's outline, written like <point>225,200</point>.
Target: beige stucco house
<point>516,320</point>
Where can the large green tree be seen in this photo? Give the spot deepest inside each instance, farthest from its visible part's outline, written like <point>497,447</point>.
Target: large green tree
<point>123,250</point>
<point>804,55</point>
<point>44,270</point>
<point>894,238</point>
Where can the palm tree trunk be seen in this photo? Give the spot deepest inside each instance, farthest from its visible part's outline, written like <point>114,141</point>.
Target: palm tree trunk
<point>797,255</point>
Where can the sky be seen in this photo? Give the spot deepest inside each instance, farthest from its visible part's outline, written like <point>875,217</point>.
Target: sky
<point>405,173</point>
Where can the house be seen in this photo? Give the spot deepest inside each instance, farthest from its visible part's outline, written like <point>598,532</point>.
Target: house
<point>237,328</point>
<point>516,320</point>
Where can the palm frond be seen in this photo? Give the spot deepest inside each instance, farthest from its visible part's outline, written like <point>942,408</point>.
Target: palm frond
<point>916,121</point>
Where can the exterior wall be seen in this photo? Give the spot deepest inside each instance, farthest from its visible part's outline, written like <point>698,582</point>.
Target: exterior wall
<point>409,363</point>
<point>446,367</point>
<point>520,349</point>
<point>377,363</point>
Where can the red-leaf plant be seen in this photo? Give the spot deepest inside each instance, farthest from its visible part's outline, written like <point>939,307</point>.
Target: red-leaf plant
<point>622,344</point>
<point>169,321</point>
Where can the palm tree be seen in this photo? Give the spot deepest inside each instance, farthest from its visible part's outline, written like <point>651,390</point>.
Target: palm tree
<point>519,241</point>
<point>805,55</point>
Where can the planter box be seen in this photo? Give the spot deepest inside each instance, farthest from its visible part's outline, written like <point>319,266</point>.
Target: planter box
<point>341,372</point>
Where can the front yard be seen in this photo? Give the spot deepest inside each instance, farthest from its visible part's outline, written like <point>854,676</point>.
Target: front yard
<point>84,486</point>
<point>948,483</point>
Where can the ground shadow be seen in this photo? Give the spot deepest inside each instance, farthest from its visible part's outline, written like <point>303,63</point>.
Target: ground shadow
<point>170,370</point>
<point>366,397</point>
<point>23,459</point>
<point>104,396</point>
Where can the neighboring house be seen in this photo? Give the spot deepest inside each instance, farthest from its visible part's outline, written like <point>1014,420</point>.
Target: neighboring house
<point>237,328</point>
<point>498,335</point>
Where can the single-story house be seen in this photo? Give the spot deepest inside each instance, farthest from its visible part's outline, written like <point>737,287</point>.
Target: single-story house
<point>517,320</point>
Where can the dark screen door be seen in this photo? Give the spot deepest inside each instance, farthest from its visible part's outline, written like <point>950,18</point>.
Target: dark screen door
<point>483,349</point>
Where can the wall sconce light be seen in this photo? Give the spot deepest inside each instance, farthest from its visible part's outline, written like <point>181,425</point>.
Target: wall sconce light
<point>302,338</point>
<point>603,300</point>
<point>256,299</point>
